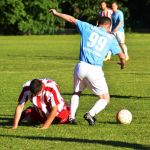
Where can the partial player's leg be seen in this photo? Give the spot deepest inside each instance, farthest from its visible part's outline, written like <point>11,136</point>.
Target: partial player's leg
<point>124,47</point>
<point>98,107</point>
<point>79,85</point>
<point>121,39</point>
<point>63,116</point>
<point>74,106</point>
<point>97,83</point>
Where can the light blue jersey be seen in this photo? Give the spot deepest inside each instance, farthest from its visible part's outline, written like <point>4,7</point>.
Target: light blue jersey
<point>116,18</point>
<point>95,43</point>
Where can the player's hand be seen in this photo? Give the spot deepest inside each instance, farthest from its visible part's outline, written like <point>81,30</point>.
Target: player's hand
<point>122,65</point>
<point>53,11</point>
<point>43,127</point>
<point>115,30</point>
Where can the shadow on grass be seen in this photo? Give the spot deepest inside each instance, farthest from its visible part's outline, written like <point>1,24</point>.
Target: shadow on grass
<point>107,122</point>
<point>7,121</point>
<point>130,97</point>
<point>47,57</point>
<point>114,96</point>
<point>86,141</point>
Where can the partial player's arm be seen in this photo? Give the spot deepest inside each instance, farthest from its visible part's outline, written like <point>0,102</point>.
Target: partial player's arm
<point>65,17</point>
<point>50,117</point>
<point>117,27</point>
<point>122,59</point>
<point>17,115</point>
<point>121,20</point>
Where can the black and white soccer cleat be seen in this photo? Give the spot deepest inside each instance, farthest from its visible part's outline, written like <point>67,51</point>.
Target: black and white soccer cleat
<point>72,121</point>
<point>91,120</point>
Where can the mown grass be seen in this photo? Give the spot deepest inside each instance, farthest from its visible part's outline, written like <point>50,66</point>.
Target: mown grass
<point>26,57</point>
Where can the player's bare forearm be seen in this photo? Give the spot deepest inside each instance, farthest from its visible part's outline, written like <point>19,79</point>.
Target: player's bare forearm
<point>65,17</point>
<point>122,60</point>
<point>17,116</point>
<point>50,117</point>
<point>117,27</point>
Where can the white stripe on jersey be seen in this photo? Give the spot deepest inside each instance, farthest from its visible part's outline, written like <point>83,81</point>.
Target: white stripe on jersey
<point>106,13</point>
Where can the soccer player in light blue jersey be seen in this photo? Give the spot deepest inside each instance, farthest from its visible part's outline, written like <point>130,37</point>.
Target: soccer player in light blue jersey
<point>118,27</point>
<point>96,41</point>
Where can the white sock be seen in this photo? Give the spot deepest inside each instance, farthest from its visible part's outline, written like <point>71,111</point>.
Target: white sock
<point>109,55</point>
<point>124,47</point>
<point>73,106</point>
<point>99,106</point>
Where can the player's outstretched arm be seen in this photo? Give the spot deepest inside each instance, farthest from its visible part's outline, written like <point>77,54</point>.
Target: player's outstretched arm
<point>17,116</point>
<point>65,17</point>
<point>122,60</point>
<point>50,117</point>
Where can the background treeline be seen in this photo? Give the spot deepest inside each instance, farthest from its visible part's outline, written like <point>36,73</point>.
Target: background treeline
<point>32,16</point>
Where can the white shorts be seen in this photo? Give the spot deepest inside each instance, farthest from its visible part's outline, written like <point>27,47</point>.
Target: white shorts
<point>90,76</point>
<point>120,37</point>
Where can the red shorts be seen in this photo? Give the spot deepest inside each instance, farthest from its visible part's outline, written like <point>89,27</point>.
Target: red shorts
<point>63,116</point>
<point>32,115</point>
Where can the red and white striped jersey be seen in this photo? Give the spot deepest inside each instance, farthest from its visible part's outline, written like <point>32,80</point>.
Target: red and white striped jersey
<point>46,99</point>
<point>106,13</point>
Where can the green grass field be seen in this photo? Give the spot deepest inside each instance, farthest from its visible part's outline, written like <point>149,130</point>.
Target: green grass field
<point>26,57</point>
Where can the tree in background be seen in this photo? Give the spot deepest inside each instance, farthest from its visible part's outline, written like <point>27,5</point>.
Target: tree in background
<point>28,17</point>
<point>85,10</point>
<point>11,12</point>
<point>37,19</point>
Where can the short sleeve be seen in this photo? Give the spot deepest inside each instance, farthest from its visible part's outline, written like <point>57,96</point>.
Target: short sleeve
<point>23,98</point>
<point>121,18</point>
<point>82,26</point>
<point>115,48</point>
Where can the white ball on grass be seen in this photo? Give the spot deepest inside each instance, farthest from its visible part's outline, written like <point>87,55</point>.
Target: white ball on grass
<point>124,116</point>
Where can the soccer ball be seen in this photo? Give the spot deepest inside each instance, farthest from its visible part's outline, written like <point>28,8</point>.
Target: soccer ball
<point>124,116</point>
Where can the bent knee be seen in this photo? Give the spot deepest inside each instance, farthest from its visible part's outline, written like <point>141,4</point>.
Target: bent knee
<point>105,96</point>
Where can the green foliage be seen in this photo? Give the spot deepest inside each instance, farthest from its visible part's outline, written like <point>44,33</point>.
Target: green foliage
<point>37,19</point>
<point>11,12</point>
<point>28,17</point>
<point>85,10</point>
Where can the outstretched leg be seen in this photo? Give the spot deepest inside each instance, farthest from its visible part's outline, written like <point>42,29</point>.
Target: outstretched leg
<point>98,107</point>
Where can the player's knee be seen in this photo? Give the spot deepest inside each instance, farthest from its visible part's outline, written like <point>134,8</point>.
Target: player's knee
<point>108,99</point>
<point>105,96</point>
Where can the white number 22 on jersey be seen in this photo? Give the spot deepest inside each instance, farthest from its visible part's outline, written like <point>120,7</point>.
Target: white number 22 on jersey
<point>96,41</point>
